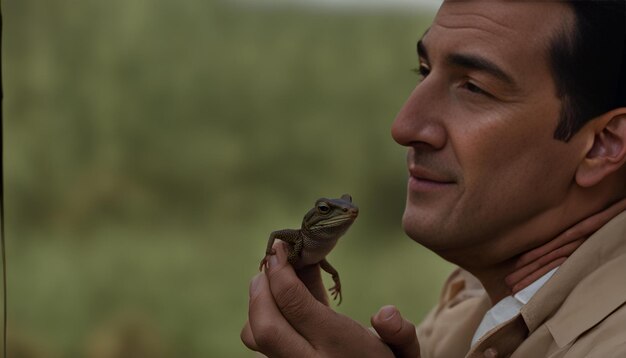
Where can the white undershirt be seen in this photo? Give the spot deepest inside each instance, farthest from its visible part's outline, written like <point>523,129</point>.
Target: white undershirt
<point>509,307</point>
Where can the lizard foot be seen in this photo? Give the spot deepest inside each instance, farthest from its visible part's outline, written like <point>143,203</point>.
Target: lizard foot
<point>335,291</point>
<point>264,261</point>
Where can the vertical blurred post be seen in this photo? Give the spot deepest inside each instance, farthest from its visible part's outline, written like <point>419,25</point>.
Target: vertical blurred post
<point>4,267</point>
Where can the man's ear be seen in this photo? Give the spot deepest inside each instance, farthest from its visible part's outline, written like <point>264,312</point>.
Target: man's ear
<point>608,150</point>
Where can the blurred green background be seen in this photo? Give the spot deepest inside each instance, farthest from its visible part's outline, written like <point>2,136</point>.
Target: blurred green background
<point>151,146</point>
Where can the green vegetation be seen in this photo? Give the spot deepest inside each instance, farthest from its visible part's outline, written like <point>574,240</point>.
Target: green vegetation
<point>152,146</point>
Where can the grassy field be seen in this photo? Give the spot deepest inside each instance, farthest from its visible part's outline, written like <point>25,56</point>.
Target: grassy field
<point>152,146</point>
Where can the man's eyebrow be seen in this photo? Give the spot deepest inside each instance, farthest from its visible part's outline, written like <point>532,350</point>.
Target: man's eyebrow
<point>421,50</point>
<point>471,62</point>
<point>480,64</point>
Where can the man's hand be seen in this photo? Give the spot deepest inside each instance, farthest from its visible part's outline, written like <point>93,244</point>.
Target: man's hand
<point>286,319</point>
<point>397,332</point>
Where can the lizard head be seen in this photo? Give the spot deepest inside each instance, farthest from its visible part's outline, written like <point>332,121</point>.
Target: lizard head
<point>330,218</point>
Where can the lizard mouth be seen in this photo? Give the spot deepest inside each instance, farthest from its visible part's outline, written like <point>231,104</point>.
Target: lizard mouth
<point>339,219</point>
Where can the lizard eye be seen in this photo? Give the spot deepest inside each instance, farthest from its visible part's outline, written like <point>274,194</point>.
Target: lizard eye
<point>323,208</point>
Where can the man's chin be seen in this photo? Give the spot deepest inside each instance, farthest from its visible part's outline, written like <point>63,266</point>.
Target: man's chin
<point>428,229</point>
<point>419,229</point>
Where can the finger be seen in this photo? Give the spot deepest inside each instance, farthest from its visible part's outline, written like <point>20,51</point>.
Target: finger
<point>398,333</point>
<point>517,276</point>
<point>528,280</point>
<point>491,353</point>
<point>271,333</point>
<point>299,307</point>
<point>328,332</point>
<point>310,275</point>
<point>248,338</point>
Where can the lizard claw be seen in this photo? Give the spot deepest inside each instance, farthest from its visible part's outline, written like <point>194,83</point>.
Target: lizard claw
<point>264,261</point>
<point>335,291</point>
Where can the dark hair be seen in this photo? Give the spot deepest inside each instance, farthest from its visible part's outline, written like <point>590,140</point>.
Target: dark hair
<point>588,62</point>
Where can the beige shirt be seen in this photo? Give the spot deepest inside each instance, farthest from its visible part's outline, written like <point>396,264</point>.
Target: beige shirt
<point>579,312</point>
<point>509,307</point>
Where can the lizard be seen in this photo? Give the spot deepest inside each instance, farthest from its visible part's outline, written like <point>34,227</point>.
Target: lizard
<point>321,227</point>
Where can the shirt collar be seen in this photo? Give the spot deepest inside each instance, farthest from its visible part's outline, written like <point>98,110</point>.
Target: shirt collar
<point>509,307</point>
<point>596,266</point>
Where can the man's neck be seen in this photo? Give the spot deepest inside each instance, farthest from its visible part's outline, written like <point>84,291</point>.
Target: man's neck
<point>493,278</point>
<point>513,274</point>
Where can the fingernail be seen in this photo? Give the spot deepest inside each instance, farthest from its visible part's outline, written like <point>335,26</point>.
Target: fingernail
<point>491,353</point>
<point>281,247</point>
<point>254,285</point>
<point>388,312</point>
<point>273,261</point>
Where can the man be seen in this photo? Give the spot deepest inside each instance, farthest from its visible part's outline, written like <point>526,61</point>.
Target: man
<point>516,141</point>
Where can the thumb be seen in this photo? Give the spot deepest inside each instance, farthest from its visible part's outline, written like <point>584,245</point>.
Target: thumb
<point>398,333</point>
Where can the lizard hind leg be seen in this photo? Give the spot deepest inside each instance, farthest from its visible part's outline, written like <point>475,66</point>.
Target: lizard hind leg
<point>335,291</point>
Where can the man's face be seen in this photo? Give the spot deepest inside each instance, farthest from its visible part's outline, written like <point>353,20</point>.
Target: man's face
<point>479,127</point>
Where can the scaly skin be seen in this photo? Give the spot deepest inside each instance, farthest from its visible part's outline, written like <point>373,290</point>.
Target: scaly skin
<point>321,227</point>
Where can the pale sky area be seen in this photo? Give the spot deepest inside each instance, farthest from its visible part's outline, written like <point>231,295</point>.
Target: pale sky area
<point>431,5</point>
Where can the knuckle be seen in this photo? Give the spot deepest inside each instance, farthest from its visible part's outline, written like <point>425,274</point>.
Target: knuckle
<point>267,335</point>
<point>292,302</point>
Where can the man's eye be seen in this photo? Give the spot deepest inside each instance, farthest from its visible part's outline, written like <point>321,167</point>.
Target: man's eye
<point>421,71</point>
<point>474,89</point>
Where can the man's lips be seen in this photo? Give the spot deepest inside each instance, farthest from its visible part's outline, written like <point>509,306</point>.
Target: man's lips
<point>425,175</point>
<point>424,180</point>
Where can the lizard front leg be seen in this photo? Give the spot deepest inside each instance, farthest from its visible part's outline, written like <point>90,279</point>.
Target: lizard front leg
<point>335,290</point>
<point>290,236</point>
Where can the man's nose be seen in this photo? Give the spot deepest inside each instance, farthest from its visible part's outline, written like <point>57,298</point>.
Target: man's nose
<point>419,122</point>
